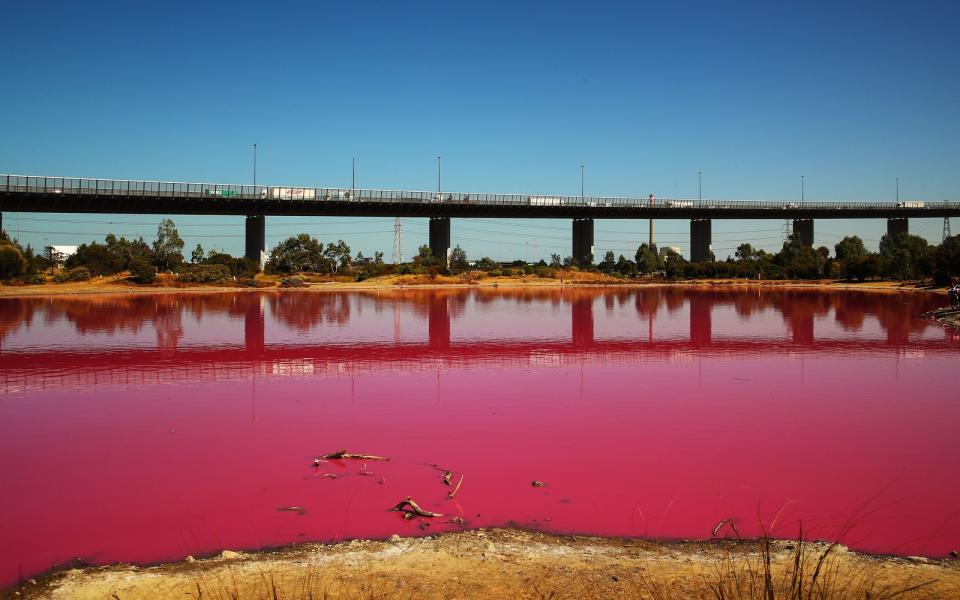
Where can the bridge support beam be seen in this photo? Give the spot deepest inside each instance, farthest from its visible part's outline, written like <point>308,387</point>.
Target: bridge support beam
<point>804,229</point>
<point>583,249</point>
<point>256,249</point>
<point>897,226</point>
<point>440,238</point>
<point>700,239</point>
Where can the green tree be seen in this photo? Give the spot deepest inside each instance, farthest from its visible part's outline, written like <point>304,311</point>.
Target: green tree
<point>487,264</point>
<point>556,261</point>
<point>625,266</point>
<point>745,252</point>
<point>338,255</point>
<point>673,263</point>
<point>378,258</point>
<point>197,255</point>
<point>947,260</point>
<point>905,256</point>
<point>142,271</point>
<point>850,249</point>
<point>424,256</point>
<point>458,260</point>
<point>168,247</point>
<point>97,258</point>
<point>797,259</point>
<point>648,259</point>
<point>609,262</point>
<point>298,254</point>
<point>12,262</point>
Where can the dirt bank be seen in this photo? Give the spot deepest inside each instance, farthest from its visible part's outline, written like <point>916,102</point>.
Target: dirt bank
<point>517,564</point>
<point>167,284</point>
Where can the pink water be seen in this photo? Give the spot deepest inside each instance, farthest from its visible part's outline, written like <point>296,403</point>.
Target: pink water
<point>147,428</point>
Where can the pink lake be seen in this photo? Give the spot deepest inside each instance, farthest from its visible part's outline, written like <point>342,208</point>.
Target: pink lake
<point>151,427</point>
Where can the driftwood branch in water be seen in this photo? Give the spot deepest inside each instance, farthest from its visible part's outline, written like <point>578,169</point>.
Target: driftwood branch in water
<point>409,508</point>
<point>455,489</point>
<point>446,478</point>
<point>343,454</point>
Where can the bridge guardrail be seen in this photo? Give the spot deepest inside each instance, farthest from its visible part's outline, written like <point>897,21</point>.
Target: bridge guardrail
<point>213,191</point>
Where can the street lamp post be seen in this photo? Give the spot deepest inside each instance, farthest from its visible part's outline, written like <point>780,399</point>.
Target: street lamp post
<point>581,184</point>
<point>898,189</point>
<point>254,165</point>
<point>802,191</point>
<point>353,176</point>
<point>700,184</point>
<point>439,194</point>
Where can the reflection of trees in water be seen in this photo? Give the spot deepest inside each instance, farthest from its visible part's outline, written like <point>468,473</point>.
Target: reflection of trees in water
<point>896,313</point>
<point>15,313</point>
<point>303,310</point>
<point>168,321</point>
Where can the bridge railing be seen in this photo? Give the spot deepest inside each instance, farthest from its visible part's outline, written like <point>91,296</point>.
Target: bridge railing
<point>74,186</point>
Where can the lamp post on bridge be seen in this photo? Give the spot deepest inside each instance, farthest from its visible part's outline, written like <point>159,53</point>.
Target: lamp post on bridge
<point>802,192</point>
<point>254,165</point>
<point>700,185</point>
<point>439,191</point>
<point>581,184</point>
<point>898,190</point>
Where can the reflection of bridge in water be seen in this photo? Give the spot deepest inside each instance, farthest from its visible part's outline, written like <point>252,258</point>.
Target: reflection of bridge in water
<point>258,357</point>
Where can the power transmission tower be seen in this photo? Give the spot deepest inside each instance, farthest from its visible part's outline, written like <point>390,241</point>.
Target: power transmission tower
<point>946,228</point>
<point>397,248</point>
<point>787,230</point>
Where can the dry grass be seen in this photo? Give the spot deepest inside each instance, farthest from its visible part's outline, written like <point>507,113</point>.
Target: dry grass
<point>517,564</point>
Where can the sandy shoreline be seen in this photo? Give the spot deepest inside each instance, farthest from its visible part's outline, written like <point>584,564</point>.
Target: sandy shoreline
<point>118,286</point>
<point>508,563</point>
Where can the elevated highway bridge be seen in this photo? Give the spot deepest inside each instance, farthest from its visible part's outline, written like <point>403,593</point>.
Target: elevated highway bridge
<point>25,193</point>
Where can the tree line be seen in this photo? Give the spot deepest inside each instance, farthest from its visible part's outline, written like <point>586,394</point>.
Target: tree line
<point>900,257</point>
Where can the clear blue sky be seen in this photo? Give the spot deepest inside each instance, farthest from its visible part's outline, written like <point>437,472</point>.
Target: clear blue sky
<point>515,98</point>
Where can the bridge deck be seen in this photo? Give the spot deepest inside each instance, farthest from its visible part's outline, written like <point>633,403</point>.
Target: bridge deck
<point>22,193</point>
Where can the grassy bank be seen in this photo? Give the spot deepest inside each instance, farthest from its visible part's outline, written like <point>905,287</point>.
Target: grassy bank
<point>518,564</point>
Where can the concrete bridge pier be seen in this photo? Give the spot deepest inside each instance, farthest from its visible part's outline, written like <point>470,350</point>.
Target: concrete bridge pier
<point>440,238</point>
<point>583,249</point>
<point>700,239</point>
<point>897,226</point>
<point>256,249</point>
<point>804,229</point>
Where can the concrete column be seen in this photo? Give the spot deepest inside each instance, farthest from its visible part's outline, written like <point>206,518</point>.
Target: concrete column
<point>581,313</point>
<point>253,326</point>
<point>440,238</point>
<point>897,226</point>
<point>804,228</point>
<point>438,322</point>
<point>700,240</point>
<point>583,250</point>
<point>257,239</point>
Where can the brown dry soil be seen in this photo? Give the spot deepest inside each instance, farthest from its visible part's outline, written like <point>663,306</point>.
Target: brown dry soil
<point>514,564</point>
<point>167,283</point>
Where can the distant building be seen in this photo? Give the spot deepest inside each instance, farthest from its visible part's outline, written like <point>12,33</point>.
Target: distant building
<point>665,249</point>
<point>58,254</point>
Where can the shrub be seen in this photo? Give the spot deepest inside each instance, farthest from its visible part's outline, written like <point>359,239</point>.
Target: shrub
<point>35,279</point>
<point>142,271</point>
<point>545,272</point>
<point>12,263</point>
<point>205,274</point>
<point>507,272</point>
<point>78,274</point>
